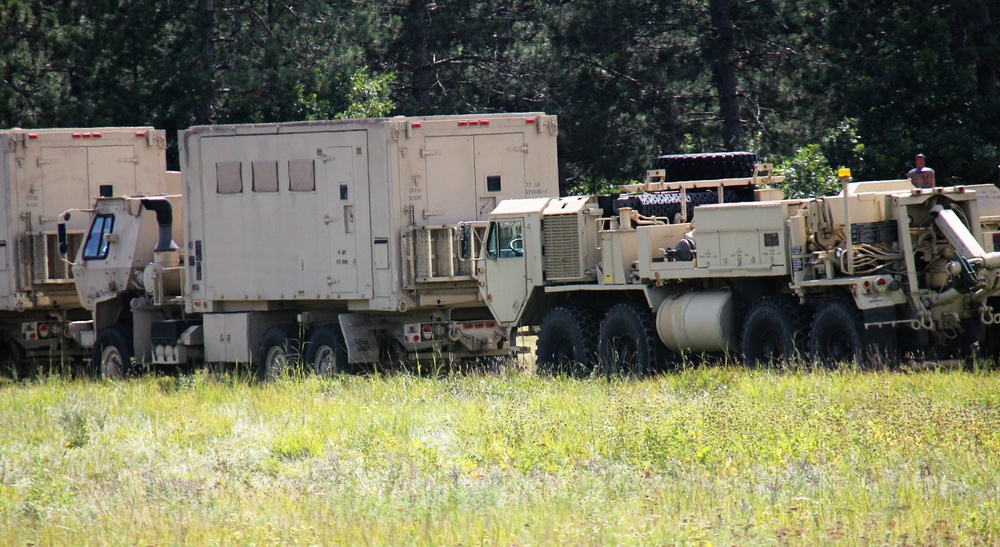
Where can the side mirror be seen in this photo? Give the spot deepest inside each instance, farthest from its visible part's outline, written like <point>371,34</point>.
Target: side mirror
<point>61,234</point>
<point>492,248</point>
<point>465,242</point>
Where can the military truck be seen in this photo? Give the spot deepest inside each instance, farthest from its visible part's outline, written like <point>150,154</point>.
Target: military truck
<point>674,269</point>
<point>334,242</point>
<point>43,174</point>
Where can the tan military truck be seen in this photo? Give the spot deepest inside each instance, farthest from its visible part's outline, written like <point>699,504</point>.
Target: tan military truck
<point>881,271</point>
<point>43,174</point>
<point>338,242</point>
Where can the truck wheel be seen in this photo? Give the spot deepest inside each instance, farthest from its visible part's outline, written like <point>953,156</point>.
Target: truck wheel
<point>566,342</point>
<point>774,331</point>
<point>112,354</point>
<point>628,342</point>
<point>835,335</point>
<point>14,363</point>
<point>278,352</point>
<point>326,352</point>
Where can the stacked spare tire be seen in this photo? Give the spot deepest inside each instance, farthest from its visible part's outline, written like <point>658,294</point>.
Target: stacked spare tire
<point>723,165</point>
<point>694,167</point>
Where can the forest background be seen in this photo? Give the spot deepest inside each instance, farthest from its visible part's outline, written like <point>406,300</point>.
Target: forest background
<point>811,85</point>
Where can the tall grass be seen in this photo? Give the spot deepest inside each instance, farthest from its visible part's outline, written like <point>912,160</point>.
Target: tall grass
<point>713,454</point>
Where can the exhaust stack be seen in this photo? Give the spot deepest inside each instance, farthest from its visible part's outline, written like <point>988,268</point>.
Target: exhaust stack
<point>165,220</point>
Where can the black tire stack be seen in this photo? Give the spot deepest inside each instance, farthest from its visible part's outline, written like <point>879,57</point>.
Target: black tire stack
<point>721,165</point>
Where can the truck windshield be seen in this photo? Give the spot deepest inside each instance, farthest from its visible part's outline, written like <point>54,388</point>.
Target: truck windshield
<point>97,245</point>
<point>505,239</point>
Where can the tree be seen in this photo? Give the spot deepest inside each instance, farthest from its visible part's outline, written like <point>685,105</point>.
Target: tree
<point>722,58</point>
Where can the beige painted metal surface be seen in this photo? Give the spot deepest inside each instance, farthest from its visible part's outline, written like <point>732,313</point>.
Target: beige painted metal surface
<point>45,172</point>
<point>697,321</point>
<point>354,214</point>
<point>884,245</point>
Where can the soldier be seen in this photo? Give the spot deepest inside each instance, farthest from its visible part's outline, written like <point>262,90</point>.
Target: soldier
<point>921,176</point>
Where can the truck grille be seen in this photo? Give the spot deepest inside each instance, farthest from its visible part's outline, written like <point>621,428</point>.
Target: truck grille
<point>562,248</point>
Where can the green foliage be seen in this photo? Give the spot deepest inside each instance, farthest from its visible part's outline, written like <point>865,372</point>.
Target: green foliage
<point>808,173</point>
<point>368,96</point>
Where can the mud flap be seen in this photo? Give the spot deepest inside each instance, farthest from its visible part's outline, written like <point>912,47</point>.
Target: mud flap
<point>361,337</point>
<point>880,342</point>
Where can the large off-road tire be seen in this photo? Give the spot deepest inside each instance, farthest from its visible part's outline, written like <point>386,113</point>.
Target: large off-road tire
<point>629,345</point>
<point>278,352</point>
<point>835,335</point>
<point>775,332</point>
<point>113,353</point>
<point>326,351</point>
<point>723,165</point>
<point>15,363</point>
<point>567,342</point>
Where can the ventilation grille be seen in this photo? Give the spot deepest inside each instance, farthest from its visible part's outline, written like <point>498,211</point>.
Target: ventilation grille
<point>562,248</point>
<point>41,260</point>
<point>433,254</point>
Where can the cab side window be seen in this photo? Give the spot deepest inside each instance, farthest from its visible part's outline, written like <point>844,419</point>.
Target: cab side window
<point>506,239</point>
<point>97,244</point>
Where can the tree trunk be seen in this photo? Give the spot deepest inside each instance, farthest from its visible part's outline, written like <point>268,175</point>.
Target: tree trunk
<point>206,22</point>
<point>984,41</point>
<point>722,56</point>
<point>417,27</point>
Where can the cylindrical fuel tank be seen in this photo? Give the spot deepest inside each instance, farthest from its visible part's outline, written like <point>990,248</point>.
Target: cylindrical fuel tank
<point>697,321</point>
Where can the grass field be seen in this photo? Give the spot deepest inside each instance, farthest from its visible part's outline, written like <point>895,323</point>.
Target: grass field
<point>709,456</point>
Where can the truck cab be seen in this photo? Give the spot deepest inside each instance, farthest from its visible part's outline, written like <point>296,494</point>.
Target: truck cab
<point>128,271</point>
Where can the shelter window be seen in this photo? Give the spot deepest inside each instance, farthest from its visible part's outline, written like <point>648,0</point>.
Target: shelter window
<point>229,177</point>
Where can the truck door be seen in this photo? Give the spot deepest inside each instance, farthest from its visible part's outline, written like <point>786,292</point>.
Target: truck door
<point>114,165</point>
<point>72,176</point>
<point>64,183</point>
<point>451,176</point>
<point>349,220</point>
<point>499,171</point>
<point>468,175</point>
<point>505,278</point>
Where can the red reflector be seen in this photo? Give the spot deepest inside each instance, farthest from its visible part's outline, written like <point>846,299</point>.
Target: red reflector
<point>467,326</point>
<point>32,336</point>
<point>530,120</point>
<point>463,124</point>
<point>490,325</point>
<point>473,123</point>
<point>484,122</point>
<point>98,135</point>
<point>32,135</point>
<point>77,135</point>
<point>87,135</point>
<point>415,125</point>
<point>140,134</point>
<point>416,337</point>
<point>480,325</point>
